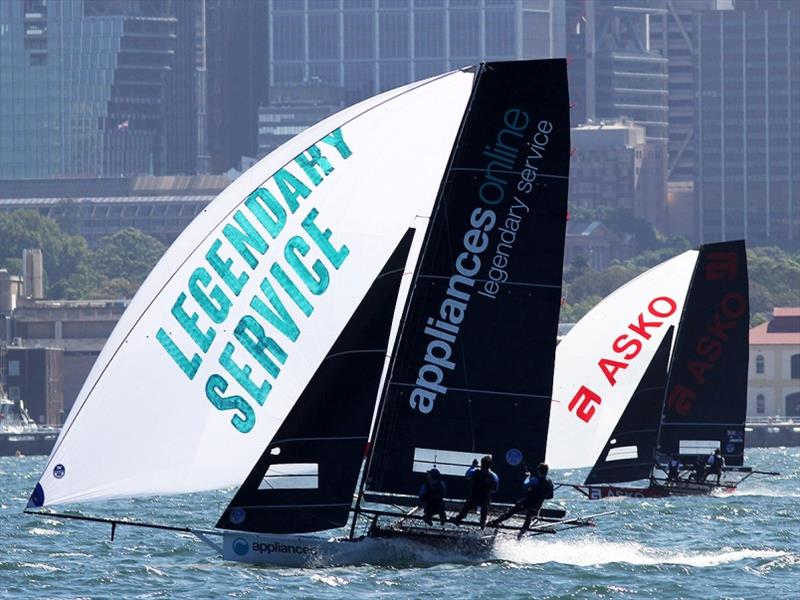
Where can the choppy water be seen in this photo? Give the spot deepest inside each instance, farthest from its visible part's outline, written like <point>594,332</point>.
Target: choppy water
<point>745,545</point>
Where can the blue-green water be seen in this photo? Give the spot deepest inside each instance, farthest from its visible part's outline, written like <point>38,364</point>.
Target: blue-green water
<point>745,545</point>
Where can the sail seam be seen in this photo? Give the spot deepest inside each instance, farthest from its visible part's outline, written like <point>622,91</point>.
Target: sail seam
<point>538,175</point>
<point>317,439</point>
<point>479,280</point>
<point>477,391</point>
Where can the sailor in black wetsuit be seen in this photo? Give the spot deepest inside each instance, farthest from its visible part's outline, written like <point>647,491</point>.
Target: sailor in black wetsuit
<point>482,483</point>
<point>699,473</point>
<point>537,488</point>
<point>431,497</point>
<point>716,462</point>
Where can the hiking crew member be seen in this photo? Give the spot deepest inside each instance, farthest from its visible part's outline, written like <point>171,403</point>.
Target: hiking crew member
<point>716,462</point>
<point>674,468</point>
<point>537,488</point>
<point>482,483</point>
<point>699,473</point>
<point>431,497</point>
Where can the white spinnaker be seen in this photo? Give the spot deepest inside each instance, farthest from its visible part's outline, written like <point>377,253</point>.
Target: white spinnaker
<point>575,442</point>
<point>140,426</point>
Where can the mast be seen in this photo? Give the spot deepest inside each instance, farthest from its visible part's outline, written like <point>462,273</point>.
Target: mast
<point>478,70</point>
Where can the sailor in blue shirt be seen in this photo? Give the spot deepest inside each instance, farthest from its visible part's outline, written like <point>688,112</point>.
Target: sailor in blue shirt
<point>538,488</point>
<point>483,482</point>
<point>431,497</point>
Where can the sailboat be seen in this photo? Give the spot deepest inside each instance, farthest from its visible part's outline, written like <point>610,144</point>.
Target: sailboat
<point>394,266</point>
<point>691,396</point>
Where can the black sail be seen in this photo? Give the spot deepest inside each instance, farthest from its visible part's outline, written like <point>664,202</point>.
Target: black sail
<point>472,370</point>
<point>629,452</point>
<point>706,400</point>
<point>305,479</point>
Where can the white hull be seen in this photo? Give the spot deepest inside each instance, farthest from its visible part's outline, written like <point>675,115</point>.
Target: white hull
<point>314,551</point>
<point>285,550</point>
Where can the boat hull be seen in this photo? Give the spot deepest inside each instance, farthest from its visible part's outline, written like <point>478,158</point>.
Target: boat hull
<point>598,492</point>
<point>28,443</point>
<point>284,550</point>
<point>311,551</point>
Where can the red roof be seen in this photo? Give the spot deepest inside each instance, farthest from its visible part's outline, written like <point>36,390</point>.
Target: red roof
<point>784,328</point>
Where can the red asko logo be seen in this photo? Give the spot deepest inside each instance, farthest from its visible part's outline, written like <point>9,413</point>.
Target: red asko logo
<point>626,347</point>
<point>710,347</point>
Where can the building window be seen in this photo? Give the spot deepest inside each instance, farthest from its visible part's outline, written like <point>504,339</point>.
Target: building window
<point>794,366</point>
<point>760,404</point>
<point>759,364</point>
<point>13,368</point>
<point>13,392</point>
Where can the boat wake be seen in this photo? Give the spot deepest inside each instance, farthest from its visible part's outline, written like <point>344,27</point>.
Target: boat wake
<point>765,492</point>
<point>593,553</point>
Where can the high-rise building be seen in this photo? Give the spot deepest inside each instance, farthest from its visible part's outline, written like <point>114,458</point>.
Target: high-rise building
<point>232,58</point>
<point>614,71</point>
<point>674,38</point>
<point>747,167</point>
<point>368,46</point>
<point>81,86</point>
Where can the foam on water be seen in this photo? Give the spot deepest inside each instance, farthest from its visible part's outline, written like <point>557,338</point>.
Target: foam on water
<point>586,553</point>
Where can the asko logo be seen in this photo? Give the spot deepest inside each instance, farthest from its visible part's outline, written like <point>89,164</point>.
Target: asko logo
<point>624,350</point>
<point>710,346</point>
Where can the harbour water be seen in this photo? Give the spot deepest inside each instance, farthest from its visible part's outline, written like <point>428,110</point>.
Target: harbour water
<point>745,545</point>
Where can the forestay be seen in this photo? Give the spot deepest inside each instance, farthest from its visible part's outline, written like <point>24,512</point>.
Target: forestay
<point>230,326</point>
<point>600,362</point>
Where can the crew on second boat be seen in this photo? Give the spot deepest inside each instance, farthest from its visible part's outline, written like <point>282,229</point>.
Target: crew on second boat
<point>674,468</point>
<point>483,482</point>
<point>538,488</point>
<point>431,497</point>
<point>716,462</point>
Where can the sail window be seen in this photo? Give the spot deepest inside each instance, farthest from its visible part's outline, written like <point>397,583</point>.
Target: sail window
<point>698,446</point>
<point>623,453</point>
<point>449,462</point>
<point>294,476</point>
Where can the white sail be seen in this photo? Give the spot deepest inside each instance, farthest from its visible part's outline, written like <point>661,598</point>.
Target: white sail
<point>601,360</point>
<point>234,320</point>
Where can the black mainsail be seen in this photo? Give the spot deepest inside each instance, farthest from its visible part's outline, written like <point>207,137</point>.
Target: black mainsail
<point>485,296</point>
<point>706,400</point>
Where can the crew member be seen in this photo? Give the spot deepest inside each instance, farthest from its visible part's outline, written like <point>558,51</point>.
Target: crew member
<point>674,468</point>
<point>537,488</point>
<point>715,463</point>
<point>482,483</point>
<point>431,497</point>
<point>699,473</point>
